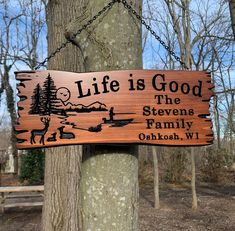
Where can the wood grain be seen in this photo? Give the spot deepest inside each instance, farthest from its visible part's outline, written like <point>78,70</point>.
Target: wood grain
<point>133,106</point>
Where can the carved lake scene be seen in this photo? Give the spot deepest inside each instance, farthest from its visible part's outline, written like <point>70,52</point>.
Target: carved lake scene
<point>152,107</point>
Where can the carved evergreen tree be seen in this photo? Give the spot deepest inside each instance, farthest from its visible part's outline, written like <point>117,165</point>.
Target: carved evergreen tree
<point>108,191</point>
<point>49,95</point>
<point>37,103</point>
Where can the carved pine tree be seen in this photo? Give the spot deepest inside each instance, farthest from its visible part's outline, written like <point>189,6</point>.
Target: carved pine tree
<point>49,95</point>
<point>37,104</point>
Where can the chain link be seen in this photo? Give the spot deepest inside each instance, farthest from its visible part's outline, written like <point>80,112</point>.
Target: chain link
<point>143,22</point>
<point>106,8</point>
<point>89,22</point>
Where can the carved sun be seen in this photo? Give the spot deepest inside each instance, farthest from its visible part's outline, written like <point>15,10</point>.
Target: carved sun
<point>63,94</point>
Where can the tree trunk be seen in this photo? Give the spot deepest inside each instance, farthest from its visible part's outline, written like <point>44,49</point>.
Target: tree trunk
<point>109,184</point>
<point>110,189</point>
<point>156,178</point>
<point>193,181</point>
<point>20,153</point>
<point>12,111</point>
<point>186,55</point>
<point>62,178</point>
<point>62,164</point>
<point>0,174</point>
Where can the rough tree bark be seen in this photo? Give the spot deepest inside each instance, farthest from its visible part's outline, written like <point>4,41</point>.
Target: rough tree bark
<point>62,164</point>
<point>109,184</point>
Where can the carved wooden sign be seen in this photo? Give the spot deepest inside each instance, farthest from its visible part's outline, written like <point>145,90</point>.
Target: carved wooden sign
<point>134,106</point>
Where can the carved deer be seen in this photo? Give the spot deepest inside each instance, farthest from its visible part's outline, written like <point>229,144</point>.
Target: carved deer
<point>40,132</point>
<point>65,135</point>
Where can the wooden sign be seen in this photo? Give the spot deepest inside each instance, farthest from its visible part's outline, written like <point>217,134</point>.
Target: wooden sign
<point>134,106</point>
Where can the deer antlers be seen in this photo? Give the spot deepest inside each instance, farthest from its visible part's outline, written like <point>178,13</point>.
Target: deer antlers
<point>45,120</point>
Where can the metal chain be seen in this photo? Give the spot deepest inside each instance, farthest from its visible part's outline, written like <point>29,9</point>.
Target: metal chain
<point>88,23</point>
<point>143,22</point>
<point>108,7</point>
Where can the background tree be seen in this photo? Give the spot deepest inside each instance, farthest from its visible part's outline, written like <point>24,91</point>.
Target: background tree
<point>156,177</point>
<point>32,167</point>
<point>3,160</point>
<point>175,161</point>
<point>4,147</point>
<point>19,39</point>
<point>7,23</point>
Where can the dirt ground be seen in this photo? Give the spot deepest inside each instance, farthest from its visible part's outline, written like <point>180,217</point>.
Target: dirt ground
<point>216,211</point>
